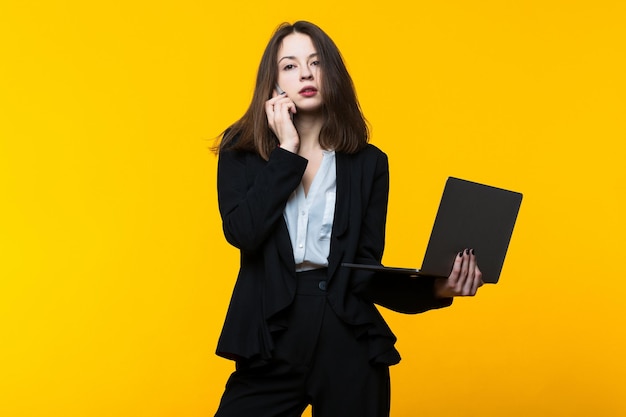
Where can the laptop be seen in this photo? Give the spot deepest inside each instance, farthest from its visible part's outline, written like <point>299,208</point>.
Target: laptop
<point>470,215</point>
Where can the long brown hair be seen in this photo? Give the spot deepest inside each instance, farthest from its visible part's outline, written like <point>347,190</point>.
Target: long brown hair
<point>344,129</point>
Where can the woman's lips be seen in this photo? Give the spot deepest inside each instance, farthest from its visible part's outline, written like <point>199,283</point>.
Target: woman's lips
<point>308,91</point>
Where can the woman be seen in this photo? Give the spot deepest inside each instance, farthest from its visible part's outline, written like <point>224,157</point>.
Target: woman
<point>301,191</point>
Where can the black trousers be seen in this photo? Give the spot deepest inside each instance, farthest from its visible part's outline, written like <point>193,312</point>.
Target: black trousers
<point>317,360</point>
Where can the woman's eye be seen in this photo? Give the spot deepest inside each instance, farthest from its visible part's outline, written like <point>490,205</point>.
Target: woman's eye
<point>315,63</point>
<point>288,67</point>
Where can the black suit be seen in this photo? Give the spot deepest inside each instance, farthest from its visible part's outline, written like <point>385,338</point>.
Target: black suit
<point>252,195</point>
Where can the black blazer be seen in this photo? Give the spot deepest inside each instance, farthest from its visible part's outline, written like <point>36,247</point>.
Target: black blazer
<point>252,194</point>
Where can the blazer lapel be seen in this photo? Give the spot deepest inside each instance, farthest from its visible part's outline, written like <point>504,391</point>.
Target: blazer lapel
<point>342,213</point>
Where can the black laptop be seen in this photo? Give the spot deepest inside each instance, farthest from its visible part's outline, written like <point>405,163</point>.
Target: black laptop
<point>470,215</point>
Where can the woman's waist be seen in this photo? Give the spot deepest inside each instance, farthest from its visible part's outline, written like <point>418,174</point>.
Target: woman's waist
<point>312,282</point>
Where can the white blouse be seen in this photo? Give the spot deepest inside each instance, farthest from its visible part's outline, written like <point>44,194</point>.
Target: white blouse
<point>310,217</point>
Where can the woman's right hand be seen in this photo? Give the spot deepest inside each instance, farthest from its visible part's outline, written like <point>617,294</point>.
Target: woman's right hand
<point>279,110</point>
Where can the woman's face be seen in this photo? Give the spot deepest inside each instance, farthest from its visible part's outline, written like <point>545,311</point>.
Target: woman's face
<point>299,73</point>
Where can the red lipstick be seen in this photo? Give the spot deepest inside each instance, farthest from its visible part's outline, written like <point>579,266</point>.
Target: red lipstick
<point>308,91</point>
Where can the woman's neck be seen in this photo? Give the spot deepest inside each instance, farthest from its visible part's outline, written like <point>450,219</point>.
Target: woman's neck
<point>309,127</point>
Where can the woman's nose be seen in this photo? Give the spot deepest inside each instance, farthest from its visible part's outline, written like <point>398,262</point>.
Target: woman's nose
<point>306,74</point>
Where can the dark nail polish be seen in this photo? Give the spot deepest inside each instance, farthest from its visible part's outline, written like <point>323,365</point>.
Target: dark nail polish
<point>467,251</point>
<point>473,252</point>
<point>460,254</point>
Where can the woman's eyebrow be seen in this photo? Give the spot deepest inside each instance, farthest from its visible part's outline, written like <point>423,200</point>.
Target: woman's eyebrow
<point>293,57</point>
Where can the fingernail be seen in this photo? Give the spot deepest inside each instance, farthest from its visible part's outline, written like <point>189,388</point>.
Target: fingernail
<point>461,254</point>
<point>467,251</point>
<point>472,251</point>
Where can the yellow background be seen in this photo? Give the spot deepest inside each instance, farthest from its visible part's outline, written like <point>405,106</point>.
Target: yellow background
<point>115,277</point>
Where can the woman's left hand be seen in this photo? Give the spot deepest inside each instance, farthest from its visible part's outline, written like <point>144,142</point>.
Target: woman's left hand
<point>464,280</point>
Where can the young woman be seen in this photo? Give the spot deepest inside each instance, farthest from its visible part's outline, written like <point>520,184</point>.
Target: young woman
<point>300,191</point>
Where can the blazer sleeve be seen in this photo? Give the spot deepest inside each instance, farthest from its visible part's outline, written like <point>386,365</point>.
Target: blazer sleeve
<point>404,294</point>
<point>252,193</point>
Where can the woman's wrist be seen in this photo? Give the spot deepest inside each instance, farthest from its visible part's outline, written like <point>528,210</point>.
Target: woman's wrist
<point>440,288</point>
<point>291,147</point>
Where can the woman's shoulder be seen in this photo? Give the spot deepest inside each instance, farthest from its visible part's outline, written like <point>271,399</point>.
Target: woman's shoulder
<point>229,140</point>
<point>369,160</point>
<point>370,153</point>
<point>233,140</point>
<point>374,150</point>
